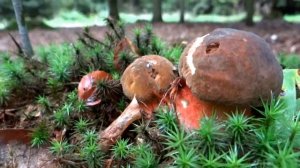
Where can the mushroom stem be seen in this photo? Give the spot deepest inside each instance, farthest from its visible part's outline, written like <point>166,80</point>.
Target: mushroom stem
<point>190,110</point>
<point>109,136</point>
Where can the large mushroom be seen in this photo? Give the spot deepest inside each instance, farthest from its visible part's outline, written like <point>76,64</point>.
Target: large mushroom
<point>226,68</point>
<point>145,81</point>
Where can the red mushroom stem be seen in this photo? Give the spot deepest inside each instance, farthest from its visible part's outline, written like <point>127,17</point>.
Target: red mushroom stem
<point>190,109</point>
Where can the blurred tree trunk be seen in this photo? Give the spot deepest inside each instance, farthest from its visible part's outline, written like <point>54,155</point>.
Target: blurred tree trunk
<point>157,14</point>
<point>249,6</point>
<point>136,5</point>
<point>25,41</point>
<point>182,10</point>
<point>113,9</point>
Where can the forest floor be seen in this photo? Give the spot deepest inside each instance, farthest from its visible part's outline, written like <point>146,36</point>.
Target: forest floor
<point>282,36</point>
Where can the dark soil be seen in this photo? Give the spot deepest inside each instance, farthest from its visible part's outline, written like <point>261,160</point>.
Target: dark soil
<point>283,37</point>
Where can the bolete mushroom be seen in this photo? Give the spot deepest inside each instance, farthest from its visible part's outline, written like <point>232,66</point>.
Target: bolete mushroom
<point>145,81</point>
<point>230,68</point>
<point>87,86</point>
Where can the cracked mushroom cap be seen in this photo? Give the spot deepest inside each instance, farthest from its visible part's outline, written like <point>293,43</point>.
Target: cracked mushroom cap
<point>147,78</point>
<point>231,66</point>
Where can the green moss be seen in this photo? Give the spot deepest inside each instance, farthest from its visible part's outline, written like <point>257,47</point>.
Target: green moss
<point>289,61</point>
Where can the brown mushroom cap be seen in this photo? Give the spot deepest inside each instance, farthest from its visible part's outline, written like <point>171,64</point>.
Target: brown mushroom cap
<point>231,66</point>
<point>147,78</point>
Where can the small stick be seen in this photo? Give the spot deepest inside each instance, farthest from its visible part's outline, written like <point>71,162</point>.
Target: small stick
<point>112,133</point>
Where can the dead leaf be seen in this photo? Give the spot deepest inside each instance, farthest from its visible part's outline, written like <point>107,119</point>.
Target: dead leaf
<point>124,45</point>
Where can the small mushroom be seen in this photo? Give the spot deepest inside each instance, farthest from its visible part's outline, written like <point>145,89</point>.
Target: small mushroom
<point>224,70</point>
<point>87,86</point>
<point>145,81</point>
<point>148,78</point>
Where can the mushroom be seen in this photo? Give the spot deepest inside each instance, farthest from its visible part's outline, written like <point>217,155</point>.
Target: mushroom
<point>87,86</point>
<point>145,81</point>
<point>224,70</point>
<point>148,78</point>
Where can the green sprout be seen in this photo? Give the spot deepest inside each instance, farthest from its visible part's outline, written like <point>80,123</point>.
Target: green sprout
<point>137,32</point>
<point>54,84</point>
<point>177,140</point>
<point>272,111</point>
<point>67,108</point>
<point>166,119</point>
<point>173,54</point>
<point>61,63</point>
<point>238,125</point>
<point>121,105</point>
<point>210,134</point>
<point>44,102</point>
<point>282,156</point>
<point>211,160</point>
<point>81,125</point>
<point>60,148</point>
<point>116,75</point>
<point>72,97</point>
<point>186,158</point>
<point>40,135</point>
<point>144,156</point>
<point>121,149</point>
<point>60,118</point>
<point>157,46</point>
<point>80,106</point>
<point>4,95</point>
<point>90,137</point>
<point>15,71</point>
<point>233,160</point>
<point>92,154</point>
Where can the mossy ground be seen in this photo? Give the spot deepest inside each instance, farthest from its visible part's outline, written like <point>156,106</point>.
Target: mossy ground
<point>41,93</point>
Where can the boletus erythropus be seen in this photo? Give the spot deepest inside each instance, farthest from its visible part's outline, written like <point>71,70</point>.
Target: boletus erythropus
<point>225,70</point>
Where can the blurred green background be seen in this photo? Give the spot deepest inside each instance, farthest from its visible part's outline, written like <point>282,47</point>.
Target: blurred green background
<point>78,13</point>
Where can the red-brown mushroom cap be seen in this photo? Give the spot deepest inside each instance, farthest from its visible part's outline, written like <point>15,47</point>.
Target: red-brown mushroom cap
<point>87,84</point>
<point>231,66</point>
<point>147,78</point>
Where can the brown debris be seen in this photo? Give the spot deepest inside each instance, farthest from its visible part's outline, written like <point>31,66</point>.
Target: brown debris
<point>124,45</point>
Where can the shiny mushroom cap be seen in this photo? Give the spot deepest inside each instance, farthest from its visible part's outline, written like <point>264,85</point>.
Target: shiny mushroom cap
<point>87,85</point>
<point>231,66</point>
<point>147,78</point>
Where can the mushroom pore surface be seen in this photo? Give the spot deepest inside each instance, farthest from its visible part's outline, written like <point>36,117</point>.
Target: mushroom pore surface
<point>231,66</point>
<point>147,78</point>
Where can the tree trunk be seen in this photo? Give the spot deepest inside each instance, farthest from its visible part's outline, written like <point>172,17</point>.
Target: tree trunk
<point>182,10</point>
<point>157,15</point>
<point>136,5</point>
<point>113,9</point>
<point>25,41</point>
<point>249,7</point>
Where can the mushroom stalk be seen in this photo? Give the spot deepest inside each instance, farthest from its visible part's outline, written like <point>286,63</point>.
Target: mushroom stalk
<point>109,136</point>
